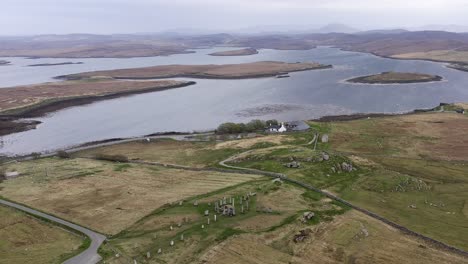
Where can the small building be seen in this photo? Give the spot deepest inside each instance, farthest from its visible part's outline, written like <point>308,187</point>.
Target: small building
<point>460,111</point>
<point>276,128</point>
<point>297,126</point>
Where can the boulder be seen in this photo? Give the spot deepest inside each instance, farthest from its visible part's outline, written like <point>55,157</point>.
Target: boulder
<point>346,167</point>
<point>325,156</point>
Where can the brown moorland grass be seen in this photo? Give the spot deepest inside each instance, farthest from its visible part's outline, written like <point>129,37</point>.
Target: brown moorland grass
<point>243,70</point>
<point>25,239</point>
<point>238,52</point>
<point>349,238</point>
<point>105,196</point>
<point>436,55</point>
<point>250,142</point>
<point>22,96</point>
<point>432,135</point>
<point>193,154</point>
<point>415,170</point>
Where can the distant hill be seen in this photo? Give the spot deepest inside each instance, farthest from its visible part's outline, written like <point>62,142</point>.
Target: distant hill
<point>449,28</point>
<point>336,28</point>
<point>383,31</point>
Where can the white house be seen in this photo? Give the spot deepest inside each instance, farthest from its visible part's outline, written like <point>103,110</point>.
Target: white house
<point>282,129</point>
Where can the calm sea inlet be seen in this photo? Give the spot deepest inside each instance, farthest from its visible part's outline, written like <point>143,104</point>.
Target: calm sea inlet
<point>305,95</point>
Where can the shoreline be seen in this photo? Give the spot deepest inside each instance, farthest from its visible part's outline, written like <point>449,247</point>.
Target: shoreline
<point>52,105</point>
<point>9,119</point>
<point>92,144</point>
<point>29,57</point>
<point>12,125</point>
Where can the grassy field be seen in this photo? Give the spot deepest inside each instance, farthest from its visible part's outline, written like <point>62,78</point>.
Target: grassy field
<point>274,205</point>
<point>194,154</point>
<point>437,55</point>
<point>349,238</point>
<point>411,169</point>
<point>25,239</point>
<point>105,196</point>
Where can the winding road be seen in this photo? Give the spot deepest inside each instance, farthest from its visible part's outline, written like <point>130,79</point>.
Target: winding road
<point>90,255</point>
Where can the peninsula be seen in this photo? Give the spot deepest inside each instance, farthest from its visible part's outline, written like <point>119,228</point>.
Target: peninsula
<point>239,52</point>
<point>225,71</point>
<point>37,100</point>
<point>461,66</point>
<point>396,78</point>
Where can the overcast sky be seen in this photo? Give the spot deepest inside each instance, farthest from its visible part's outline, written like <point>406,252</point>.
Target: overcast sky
<point>127,16</point>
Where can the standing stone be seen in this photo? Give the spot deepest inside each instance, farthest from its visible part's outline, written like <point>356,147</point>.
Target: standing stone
<point>195,203</point>
<point>242,209</point>
<point>171,228</point>
<point>181,202</point>
<point>148,255</point>
<point>182,237</point>
<point>134,261</point>
<point>159,250</point>
<point>203,226</point>
<point>215,218</point>
<point>324,138</point>
<point>208,220</point>
<point>172,243</point>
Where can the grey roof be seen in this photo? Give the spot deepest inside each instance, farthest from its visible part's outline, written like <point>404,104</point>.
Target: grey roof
<point>298,125</point>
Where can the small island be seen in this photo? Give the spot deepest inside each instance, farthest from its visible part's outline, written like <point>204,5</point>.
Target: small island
<point>54,64</point>
<point>396,78</point>
<point>4,62</point>
<point>240,52</point>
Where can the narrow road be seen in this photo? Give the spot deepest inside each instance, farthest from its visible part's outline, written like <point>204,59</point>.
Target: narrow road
<point>90,255</point>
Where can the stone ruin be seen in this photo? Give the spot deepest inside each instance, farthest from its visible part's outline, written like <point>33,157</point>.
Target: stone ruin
<point>293,164</point>
<point>307,216</point>
<point>303,235</point>
<point>343,167</point>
